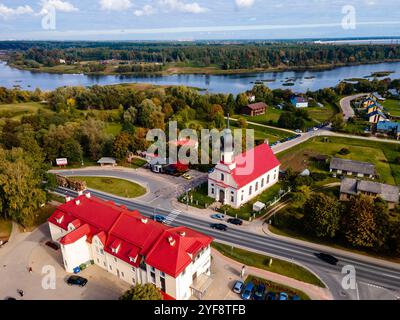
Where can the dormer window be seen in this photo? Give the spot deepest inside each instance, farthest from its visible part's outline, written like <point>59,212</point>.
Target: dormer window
<point>133,259</point>
<point>222,177</point>
<point>60,219</point>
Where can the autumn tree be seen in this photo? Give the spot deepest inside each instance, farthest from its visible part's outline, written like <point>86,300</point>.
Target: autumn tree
<point>145,292</point>
<point>122,145</point>
<point>322,215</point>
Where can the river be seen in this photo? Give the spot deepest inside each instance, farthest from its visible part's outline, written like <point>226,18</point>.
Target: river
<point>302,81</point>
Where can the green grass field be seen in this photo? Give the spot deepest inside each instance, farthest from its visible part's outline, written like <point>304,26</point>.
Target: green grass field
<point>392,106</point>
<point>260,261</point>
<point>5,229</point>
<point>381,154</point>
<point>113,129</point>
<point>118,187</point>
<point>16,111</point>
<point>322,114</point>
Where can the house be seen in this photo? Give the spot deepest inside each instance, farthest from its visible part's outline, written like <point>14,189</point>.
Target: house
<point>389,127</point>
<point>350,167</point>
<point>394,93</point>
<point>350,187</point>
<point>374,107</point>
<point>378,97</point>
<point>130,246</point>
<point>367,102</point>
<point>376,116</point>
<point>255,109</point>
<point>238,179</point>
<point>299,102</point>
<point>107,162</point>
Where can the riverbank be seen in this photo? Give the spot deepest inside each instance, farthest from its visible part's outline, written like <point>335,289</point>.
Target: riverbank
<point>186,70</point>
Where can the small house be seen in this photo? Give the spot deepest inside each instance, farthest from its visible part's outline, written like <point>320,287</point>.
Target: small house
<point>255,109</point>
<point>107,162</point>
<point>299,102</point>
<point>378,97</point>
<point>351,167</point>
<point>376,116</point>
<point>389,127</point>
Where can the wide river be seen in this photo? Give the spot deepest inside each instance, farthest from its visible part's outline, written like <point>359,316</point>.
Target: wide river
<point>303,81</point>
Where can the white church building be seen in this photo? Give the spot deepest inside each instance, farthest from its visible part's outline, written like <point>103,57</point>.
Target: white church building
<point>238,179</point>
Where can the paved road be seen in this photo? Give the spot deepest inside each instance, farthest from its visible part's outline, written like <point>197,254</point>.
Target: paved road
<point>371,275</point>
<point>345,104</point>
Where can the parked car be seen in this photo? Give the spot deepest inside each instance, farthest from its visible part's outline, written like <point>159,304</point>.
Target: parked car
<point>235,221</point>
<point>315,129</point>
<point>283,296</point>
<point>296,298</point>
<point>298,131</point>
<point>327,258</point>
<point>77,281</point>
<point>187,176</point>
<point>218,216</point>
<point>248,291</point>
<point>238,287</point>
<point>219,226</point>
<point>260,292</point>
<point>159,218</point>
<point>270,296</point>
<point>10,298</point>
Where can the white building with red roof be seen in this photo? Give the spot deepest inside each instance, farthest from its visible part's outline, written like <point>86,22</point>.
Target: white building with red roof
<point>238,179</point>
<point>134,248</point>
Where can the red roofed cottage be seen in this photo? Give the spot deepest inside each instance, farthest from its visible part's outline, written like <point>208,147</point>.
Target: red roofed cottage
<point>134,248</point>
<point>236,180</point>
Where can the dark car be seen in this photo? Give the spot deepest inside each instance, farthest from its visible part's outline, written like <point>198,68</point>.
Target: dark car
<point>259,293</point>
<point>10,299</point>
<point>235,221</point>
<point>270,296</point>
<point>219,226</point>
<point>159,218</point>
<point>77,281</point>
<point>327,258</point>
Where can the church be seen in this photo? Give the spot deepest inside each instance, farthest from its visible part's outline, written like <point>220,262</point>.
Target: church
<point>238,179</point>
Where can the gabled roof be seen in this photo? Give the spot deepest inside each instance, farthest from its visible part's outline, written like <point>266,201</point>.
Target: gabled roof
<point>257,106</point>
<point>386,192</point>
<point>352,166</point>
<point>376,112</point>
<point>298,99</point>
<point>127,234</point>
<point>388,126</point>
<point>253,164</point>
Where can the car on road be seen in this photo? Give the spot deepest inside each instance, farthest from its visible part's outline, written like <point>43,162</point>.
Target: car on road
<point>235,221</point>
<point>187,176</point>
<point>259,293</point>
<point>296,298</point>
<point>327,258</point>
<point>219,226</point>
<point>283,296</point>
<point>248,291</point>
<point>270,296</point>
<point>77,281</point>
<point>238,287</point>
<point>298,131</point>
<point>218,216</point>
<point>159,218</point>
<point>315,129</point>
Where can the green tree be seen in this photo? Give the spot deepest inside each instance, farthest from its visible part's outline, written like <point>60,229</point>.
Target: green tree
<point>145,292</point>
<point>322,215</point>
<point>338,122</point>
<point>122,145</point>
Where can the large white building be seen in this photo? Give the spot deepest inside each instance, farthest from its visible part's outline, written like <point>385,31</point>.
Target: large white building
<point>132,247</point>
<point>238,179</point>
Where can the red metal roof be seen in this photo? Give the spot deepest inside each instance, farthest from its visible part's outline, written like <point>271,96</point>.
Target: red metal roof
<point>253,164</point>
<point>132,233</point>
<point>257,106</point>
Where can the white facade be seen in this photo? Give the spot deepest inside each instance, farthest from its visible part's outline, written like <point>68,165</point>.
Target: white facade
<point>83,252</point>
<point>301,104</point>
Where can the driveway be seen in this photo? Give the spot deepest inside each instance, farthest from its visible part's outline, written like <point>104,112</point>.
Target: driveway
<point>29,250</point>
<point>345,105</point>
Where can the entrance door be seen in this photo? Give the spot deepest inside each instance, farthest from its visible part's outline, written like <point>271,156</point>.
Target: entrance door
<point>222,196</point>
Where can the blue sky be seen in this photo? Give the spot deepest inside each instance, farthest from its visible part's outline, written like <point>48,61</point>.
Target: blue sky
<point>196,19</point>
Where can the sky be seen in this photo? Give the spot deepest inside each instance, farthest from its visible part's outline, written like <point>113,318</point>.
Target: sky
<point>186,20</point>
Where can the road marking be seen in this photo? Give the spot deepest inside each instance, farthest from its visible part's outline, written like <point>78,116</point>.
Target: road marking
<point>172,217</point>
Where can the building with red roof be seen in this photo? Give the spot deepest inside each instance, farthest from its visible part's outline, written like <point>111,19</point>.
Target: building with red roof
<point>132,247</point>
<point>238,179</point>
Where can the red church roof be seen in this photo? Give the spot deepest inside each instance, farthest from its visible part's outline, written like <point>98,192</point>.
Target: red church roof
<point>129,236</point>
<point>253,164</point>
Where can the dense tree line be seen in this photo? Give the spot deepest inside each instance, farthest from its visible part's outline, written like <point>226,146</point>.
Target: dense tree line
<point>226,56</point>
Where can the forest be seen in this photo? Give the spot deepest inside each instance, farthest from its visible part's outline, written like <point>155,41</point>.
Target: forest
<point>254,55</point>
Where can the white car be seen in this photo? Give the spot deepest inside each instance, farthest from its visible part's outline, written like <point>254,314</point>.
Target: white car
<point>316,129</point>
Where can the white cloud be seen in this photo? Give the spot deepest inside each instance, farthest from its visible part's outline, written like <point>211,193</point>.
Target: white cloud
<point>62,6</point>
<point>244,3</point>
<point>115,5</point>
<point>179,5</point>
<point>147,10</point>
<point>7,12</point>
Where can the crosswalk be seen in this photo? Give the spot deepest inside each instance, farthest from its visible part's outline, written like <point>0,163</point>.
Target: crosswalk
<point>172,217</point>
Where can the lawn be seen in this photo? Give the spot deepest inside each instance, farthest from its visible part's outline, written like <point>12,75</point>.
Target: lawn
<point>322,114</point>
<point>118,187</point>
<point>5,229</point>
<point>135,163</point>
<point>272,114</point>
<point>16,111</point>
<point>260,261</point>
<point>40,217</point>
<point>113,128</point>
<point>277,288</point>
<point>381,154</point>
<point>198,197</point>
<point>392,106</point>
<point>246,211</point>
